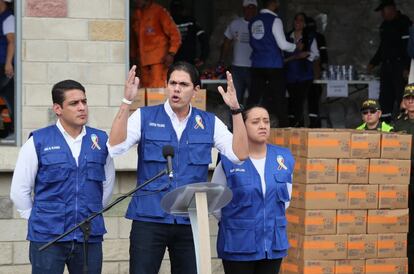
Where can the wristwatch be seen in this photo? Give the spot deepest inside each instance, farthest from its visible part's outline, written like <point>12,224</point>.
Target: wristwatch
<point>237,110</point>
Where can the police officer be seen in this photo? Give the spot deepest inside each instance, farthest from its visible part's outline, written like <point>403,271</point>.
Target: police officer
<point>371,114</point>
<point>392,55</point>
<point>405,123</point>
<point>69,171</point>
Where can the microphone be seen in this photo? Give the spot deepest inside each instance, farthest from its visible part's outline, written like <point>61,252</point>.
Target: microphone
<point>168,153</point>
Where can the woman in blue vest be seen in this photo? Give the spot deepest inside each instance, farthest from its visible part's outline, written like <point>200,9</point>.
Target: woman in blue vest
<point>299,68</point>
<point>252,229</point>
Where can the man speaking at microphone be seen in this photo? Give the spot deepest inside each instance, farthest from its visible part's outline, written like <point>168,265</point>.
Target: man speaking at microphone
<point>192,133</point>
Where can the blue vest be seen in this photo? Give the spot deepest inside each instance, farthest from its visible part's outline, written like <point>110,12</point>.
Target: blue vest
<point>192,155</point>
<point>253,227</point>
<point>265,50</point>
<point>3,38</point>
<point>298,70</point>
<point>64,193</point>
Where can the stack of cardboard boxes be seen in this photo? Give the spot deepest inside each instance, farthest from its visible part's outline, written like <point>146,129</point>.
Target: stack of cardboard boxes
<point>156,96</point>
<point>348,212</point>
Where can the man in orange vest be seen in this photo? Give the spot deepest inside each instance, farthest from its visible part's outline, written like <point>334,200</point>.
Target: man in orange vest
<point>155,39</point>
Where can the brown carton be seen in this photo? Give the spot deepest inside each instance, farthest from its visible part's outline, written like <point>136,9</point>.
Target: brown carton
<point>393,196</point>
<point>294,266</point>
<point>139,100</point>
<point>278,137</point>
<point>365,145</point>
<point>396,146</point>
<point>294,140</point>
<point>388,266</point>
<point>320,196</point>
<point>363,197</point>
<point>351,221</point>
<point>200,99</point>
<point>353,171</point>
<point>392,245</point>
<point>350,267</point>
<point>311,222</point>
<point>156,96</point>
<point>324,144</point>
<point>388,221</point>
<point>363,246</point>
<point>315,171</point>
<point>322,247</point>
<point>387,171</point>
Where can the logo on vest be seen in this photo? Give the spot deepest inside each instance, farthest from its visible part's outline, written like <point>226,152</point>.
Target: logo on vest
<point>94,139</point>
<point>199,122</point>
<point>151,124</point>
<point>258,29</point>
<point>281,161</point>
<point>233,170</point>
<point>51,148</point>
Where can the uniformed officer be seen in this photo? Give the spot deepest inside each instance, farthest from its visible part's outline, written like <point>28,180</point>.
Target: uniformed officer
<point>371,114</point>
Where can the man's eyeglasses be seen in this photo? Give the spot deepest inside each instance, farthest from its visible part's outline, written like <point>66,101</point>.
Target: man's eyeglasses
<point>371,111</point>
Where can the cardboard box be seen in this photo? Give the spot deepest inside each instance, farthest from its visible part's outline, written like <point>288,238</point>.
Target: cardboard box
<point>311,222</point>
<point>155,96</point>
<point>392,245</point>
<point>320,196</point>
<point>294,140</point>
<point>139,100</point>
<point>350,267</point>
<point>396,146</point>
<point>393,196</point>
<point>293,266</point>
<point>363,246</point>
<point>200,99</point>
<point>351,221</point>
<point>387,171</point>
<point>363,197</point>
<point>278,137</point>
<point>315,171</point>
<point>365,144</point>
<point>388,221</point>
<point>388,266</point>
<point>322,247</point>
<point>324,144</point>
<point>353,171</point>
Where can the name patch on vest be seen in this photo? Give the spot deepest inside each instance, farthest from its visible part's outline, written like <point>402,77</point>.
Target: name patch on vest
<point>51,148</point>
<point>258,29</point>
<point>233,170</point>
<point>156,125</point>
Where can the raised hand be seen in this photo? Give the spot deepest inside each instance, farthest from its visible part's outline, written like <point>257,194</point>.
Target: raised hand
<point>131,84</point>
<point>230,95</point>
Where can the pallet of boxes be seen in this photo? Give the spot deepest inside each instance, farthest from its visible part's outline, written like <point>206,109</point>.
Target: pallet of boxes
<point>349,208</point>
<point>156,96</point>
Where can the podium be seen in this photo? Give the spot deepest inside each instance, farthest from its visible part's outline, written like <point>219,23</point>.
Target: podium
<point>196,201</point>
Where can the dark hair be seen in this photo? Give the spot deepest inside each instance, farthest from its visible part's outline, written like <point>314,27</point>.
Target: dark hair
<point>186,67</point>
<point>305,32</point>
<point>58,90</point>
<point>247,110</point>
<point>267,2</point>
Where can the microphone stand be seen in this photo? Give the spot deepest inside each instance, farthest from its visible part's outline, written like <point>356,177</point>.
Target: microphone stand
<point>85,225</point>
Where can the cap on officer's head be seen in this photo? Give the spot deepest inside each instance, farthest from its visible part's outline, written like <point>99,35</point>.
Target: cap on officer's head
<point>370,104</point>
<point>409,90</point>
<point>247,3</point>
<point>385,3</point>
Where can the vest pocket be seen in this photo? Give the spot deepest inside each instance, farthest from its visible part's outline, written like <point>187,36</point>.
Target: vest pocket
<point>153,145</point>
<point>282,193</point>
<point>148,205</point>
<point>97,225</point>
<point>280,241</point>
<point>96,166</point>
<point>54,169</point>
<point>48,217</point>
<point>240,236</point>
<point>200,149</point>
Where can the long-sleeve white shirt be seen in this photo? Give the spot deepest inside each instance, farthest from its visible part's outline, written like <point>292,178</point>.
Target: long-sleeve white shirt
<point>27,166</point>
<point>223,139</point>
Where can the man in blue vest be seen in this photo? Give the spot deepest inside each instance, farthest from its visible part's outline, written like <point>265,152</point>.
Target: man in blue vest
<point>192,133</point>
<point>268,40</point>
<point>67,168</point>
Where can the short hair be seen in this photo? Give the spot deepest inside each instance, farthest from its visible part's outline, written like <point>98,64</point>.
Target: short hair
<point>59,89</point>
<point>247,110</point>
<point>186,67</point>
<point>267,2</point>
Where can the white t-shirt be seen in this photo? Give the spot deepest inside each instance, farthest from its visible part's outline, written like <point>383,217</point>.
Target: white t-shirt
<point>238,32</point>
<point>9,25</point>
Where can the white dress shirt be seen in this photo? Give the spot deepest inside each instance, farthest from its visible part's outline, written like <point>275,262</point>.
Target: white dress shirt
<point>223,139</point>
<point>26,170</point>
<point>279,34</point>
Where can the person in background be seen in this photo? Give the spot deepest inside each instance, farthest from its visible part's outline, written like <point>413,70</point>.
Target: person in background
<point>299,68</point>
<point>192,133</point>
<point>191,35</point>
<point>7,48</point>
<point>236,35</point>
<point>393,57</point>
<point>67,168</point>
<point>405,123</point>
<point>371,115</point>
<point>410,50</point>
<point>252,228</point>
<point>155,40</point>
<point>268,40</point>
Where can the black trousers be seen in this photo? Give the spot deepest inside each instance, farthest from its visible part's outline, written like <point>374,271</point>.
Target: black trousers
<point>265,266</point>
<point>314,97</point>
<point>268,88</point>
<point>298,92</point>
